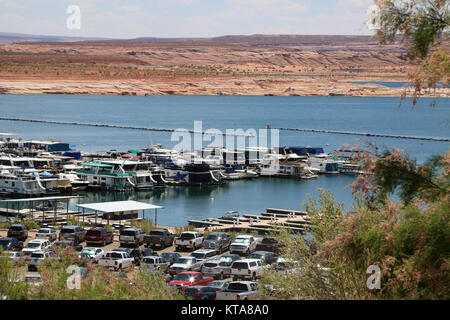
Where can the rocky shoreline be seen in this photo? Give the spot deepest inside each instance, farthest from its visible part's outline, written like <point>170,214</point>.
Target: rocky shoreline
<point>206,86</point>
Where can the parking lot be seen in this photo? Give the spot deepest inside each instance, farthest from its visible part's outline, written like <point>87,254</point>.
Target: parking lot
<point>115,244</point>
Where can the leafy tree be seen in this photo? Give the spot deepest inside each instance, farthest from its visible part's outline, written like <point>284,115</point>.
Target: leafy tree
<point>410,244</point>
<point>424,26</point>
<point>396,171</point>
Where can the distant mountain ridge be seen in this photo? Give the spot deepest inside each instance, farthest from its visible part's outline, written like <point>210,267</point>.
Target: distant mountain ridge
<point>6,37</point>
<point>250,40</point>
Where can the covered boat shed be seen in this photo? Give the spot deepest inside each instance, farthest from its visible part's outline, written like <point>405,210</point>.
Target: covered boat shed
<point>32,201</point>
<point>120,210</point>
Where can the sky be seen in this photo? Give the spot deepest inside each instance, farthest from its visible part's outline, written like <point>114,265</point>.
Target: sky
<point>125,19</point>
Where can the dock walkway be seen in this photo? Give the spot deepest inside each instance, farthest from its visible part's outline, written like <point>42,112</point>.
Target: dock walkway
<point>270,221</point>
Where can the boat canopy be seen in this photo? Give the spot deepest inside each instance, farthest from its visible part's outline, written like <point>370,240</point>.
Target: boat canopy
<point>94,164</point>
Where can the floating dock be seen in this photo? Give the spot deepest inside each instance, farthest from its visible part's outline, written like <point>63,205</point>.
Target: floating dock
<point>270,221</point>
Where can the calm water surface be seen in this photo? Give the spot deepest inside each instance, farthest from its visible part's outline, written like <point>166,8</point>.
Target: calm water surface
<point>355,114</point>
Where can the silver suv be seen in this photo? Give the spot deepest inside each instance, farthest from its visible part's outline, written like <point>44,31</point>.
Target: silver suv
<point>131,236</point>
<point>204,255</point>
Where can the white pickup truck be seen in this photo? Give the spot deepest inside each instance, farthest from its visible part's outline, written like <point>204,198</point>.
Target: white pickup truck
<point>243,244</point>
<point>239,290</point>
<point>189,240</point>
<point>117,260</point>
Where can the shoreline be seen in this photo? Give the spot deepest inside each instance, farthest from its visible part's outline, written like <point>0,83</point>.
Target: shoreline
<point>210,87</point>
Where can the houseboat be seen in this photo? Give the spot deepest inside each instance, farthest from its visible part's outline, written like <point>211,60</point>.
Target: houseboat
<point>142,172</point>
<point>103,176</point>
<point>16,181</point>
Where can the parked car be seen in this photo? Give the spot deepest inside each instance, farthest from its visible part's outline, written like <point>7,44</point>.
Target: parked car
<point>15,255</point>
<point>219,241</point>
<point>246,268</point>
<point>131,236</point>
<point>139,253</point>
<point>116,260</point>
<point>72,233</point>
<point>219,268</point>
<point>211,268</point>
<point>266,257</point>
<point>189,279</point>
<point>99,235</point>
<point>219,285</point>
<point>11,244</point>
<point>226,261</point>
<point>47,233</point>
<point>189,240</point>
<point>155,263</point>
<point>239,290</point>
<point>268,244</point>
<point>160,238</point>
<point>36,245</point>
<point>121,249</point>
<point>170,257</point>
<point>91,253</point>
<point>185,264</point>
<point>36,258</point>
<point>204,255</point>
<point>67,244</point>
<point>286,266</point>
<point>18,231</point>
<point>200,293</point>
<point>243,244</point>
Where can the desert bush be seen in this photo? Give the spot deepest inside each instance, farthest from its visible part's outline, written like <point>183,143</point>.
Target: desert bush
<point>145,225</point>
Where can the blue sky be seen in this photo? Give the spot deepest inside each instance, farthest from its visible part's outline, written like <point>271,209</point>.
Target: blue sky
<point>186,18</point>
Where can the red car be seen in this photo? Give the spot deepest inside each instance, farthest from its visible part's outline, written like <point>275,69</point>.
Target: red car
<point>99,235</point>
<point>189,279</point>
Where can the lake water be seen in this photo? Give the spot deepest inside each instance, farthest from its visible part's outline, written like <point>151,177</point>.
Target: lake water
<point>355,114</point>
<point>390,84</point>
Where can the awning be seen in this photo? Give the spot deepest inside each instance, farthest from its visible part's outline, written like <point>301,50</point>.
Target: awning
<point>42,199</point>
<point>118,206</point>
<point>94,164</point>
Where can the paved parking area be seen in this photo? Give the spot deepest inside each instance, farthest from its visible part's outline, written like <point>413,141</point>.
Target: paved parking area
<point>108,247</point>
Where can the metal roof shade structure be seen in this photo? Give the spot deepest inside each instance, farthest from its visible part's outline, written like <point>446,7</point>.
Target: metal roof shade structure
<point>121,206</point>
<point>33,200</point>
<point>41,199</point>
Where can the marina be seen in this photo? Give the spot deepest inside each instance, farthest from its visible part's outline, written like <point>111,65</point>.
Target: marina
<point>197,185</point>
<point>69,171</point>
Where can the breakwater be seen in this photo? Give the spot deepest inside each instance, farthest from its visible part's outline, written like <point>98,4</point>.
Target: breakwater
<point>116,126</point>
<point>367,134</point>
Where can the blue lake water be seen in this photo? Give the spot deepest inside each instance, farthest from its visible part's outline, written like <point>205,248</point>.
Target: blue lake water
<point>390,84</point>
<point>356,114</point>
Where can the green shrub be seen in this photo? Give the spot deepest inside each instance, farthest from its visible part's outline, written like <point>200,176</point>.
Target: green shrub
<point>30,224</point>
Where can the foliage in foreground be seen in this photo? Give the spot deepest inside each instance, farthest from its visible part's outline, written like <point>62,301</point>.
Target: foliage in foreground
<point>97,284</point>
<point>409,242</point>
<point>424,25</point>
